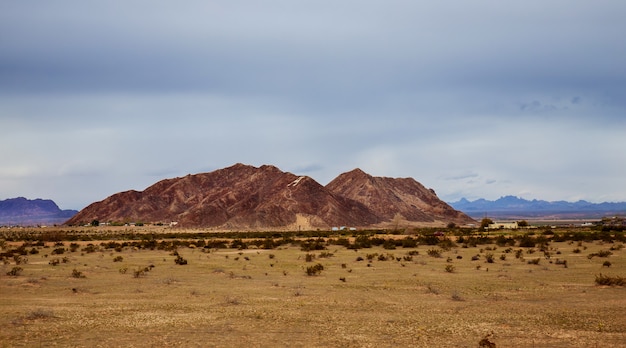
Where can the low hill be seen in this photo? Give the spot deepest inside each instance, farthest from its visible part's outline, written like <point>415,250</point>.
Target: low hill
<point>30,212</point>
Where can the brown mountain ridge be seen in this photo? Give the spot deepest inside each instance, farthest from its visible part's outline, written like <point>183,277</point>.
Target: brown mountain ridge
<point>244,197</point>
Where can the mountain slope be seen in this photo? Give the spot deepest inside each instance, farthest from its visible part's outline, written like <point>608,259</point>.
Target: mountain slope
<point>22,211</point>
<point>387,197</point>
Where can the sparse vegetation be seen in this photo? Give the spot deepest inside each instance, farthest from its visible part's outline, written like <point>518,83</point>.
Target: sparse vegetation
<point>256,292</point>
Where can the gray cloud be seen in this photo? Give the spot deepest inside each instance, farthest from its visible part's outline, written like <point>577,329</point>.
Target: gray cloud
<point>478,100</point>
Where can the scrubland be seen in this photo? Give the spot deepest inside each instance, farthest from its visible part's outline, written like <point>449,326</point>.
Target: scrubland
<point>361,290</point>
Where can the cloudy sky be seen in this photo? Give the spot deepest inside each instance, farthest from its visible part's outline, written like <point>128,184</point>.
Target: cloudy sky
<point>475,99</point>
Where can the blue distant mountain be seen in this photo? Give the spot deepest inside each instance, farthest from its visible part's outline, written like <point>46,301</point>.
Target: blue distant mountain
<point>512,206</point>
<point>31,212</point>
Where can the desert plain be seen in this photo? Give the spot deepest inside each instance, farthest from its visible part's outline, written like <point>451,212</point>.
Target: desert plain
<point>99,288</point>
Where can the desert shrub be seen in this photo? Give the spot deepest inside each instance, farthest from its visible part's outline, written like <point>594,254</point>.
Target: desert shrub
<point>371,256</point>
<point>15,271</point>
<point>503,257</point>
<point>238,244</point>
<point>77,274</point>
<point>54,262</point>
<point>457,297</point>
<point>389,244</point>
<point>34,251</point>
<point>576,251</point>
<point>314,270</point>
<point>180,260</point>
<point>20,259</point>
<point>501,240</point>
<point>271,256</point>
<point>617,247</point>
<point>325,254</point>
<point>446,244</point>
<point>309,257</point>
<point>434,252</point>
<point>359,258</point>
<point>534,261</point>
<point>485,342</point>
<point>606,264</point>
<point>40,313</point>
<point>561,262</point>
<point>475,257</point>
<point>413,252</point>
<point>450,268</point>
<point>409,242</point>
<point>118,259</point>
<point>432,289</point>
<point>313,244</point>
<point>407,258</point>
<point>58,251</point>
<point>518,253</point>
<point>489,258</point>
<point>608,280</point>
<point>527,242</point>
<point>601,253</point>
<point>90,248</point>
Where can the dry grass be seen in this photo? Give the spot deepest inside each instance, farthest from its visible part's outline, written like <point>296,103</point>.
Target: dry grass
<point>268,301</point>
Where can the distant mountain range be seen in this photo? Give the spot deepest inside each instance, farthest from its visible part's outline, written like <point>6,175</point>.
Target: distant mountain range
<point>514,207</point>
<point>26,212</point>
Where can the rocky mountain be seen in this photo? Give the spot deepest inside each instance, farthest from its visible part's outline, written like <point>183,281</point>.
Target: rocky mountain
<point>512,206</point>
<point>389,197</point>
<point>246,197</point>
<point>27,212</point>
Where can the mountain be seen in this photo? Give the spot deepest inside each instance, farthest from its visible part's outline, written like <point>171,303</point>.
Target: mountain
<point>246,197</point>
<point>387,197</point>
<point>512,206</point>
<point>22,211</point>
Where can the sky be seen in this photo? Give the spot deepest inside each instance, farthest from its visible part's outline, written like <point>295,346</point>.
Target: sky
<point>474,99</point>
